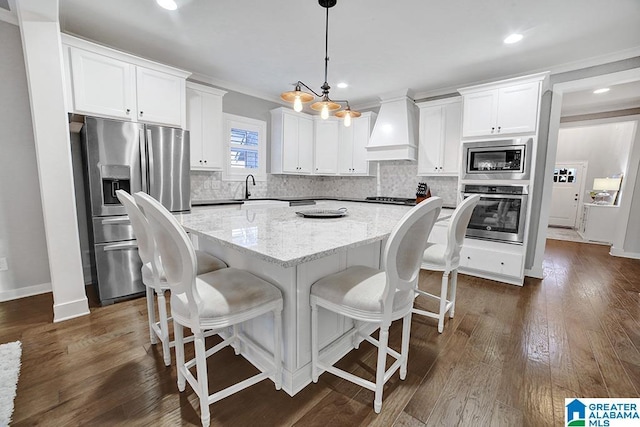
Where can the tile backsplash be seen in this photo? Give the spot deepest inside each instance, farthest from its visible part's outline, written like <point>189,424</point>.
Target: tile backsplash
<point>397,179</point>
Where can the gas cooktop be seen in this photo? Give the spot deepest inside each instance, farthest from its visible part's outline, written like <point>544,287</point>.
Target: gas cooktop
<point>393,200</point>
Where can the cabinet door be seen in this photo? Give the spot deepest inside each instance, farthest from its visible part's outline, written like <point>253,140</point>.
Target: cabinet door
<point>518,108</point>
<point>305,145</point>
<point>326,146</point>
<point>212,131</point>
<point>345,149</point>
<point>160,97</point>
<point>479,113</point>
<point>290,143</point>
<point>361,133</point>
<point>450,157</point>
<point>102,86</point>
<point>431,140</point>
<point>194,126</point>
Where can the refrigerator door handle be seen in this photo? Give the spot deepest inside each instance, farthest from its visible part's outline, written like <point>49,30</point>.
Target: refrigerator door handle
<point>150,171</point>
<point>116,221</point>
<point>143,161</point>
<point>133,244</point>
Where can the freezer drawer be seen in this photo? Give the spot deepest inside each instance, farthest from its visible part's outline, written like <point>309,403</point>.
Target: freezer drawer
<point>118,267</point>
<point>112,229</point>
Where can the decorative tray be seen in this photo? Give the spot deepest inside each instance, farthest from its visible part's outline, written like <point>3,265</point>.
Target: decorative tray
<point>323,213</point>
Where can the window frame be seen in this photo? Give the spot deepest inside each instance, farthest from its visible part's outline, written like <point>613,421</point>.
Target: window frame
<point>240,122</point>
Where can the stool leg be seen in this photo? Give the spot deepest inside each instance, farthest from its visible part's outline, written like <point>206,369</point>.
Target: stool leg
<point>383,341</point>
<point>203,380</point>
<point>454,288</point>
<point>443,300</point>
<point>151,314</point>
<point>164,327</point>
<point>314,342</point>
<point>406,332</point>
<point>178,332</point>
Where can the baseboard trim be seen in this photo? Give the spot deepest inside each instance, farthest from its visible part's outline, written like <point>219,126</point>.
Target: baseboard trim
<point>624,254</point>
<point>70,310</point>
<point>27,291</point>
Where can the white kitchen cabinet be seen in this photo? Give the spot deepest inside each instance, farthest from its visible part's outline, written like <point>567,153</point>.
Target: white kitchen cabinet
<point>352,154</point>
<point>440,133</point>
<point>598,222</point>
<point>504,108</point>
<point>160,97</point>
<point>291,142</point>
<point>205,126</point>
<point>107,83</point>
<point>102,85</point>
<point>503,262</point>
<point>326,138</point>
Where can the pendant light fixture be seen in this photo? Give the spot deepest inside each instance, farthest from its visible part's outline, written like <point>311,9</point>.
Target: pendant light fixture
<point>325,104</point>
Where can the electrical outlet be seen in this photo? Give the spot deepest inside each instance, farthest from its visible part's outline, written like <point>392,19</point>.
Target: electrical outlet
<point>3,264</point>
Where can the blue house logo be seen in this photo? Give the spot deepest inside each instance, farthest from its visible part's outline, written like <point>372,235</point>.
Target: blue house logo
<point>576,413</point>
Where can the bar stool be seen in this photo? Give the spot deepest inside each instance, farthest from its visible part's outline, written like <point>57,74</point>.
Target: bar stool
<point>370,295</point>
<point>153,275</point>
<point>446,258</point>
<point>211,302</point>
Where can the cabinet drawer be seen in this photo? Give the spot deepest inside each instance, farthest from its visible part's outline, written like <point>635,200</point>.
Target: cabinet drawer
<point>493,262</point>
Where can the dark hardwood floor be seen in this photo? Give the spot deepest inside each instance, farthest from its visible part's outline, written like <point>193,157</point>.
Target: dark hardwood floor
<point>508,358</point>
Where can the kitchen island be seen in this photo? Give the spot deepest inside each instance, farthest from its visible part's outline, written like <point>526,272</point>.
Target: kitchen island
<point>293,252</point>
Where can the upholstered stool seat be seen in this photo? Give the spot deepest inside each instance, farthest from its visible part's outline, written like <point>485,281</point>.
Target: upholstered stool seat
<point>219,302</point>
<point>374,298</point>
<point>153,276</point>
<point>446,258</point>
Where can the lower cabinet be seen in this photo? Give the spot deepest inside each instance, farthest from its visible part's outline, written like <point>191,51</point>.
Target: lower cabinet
<point>598,222</point>
<point>493,262</point>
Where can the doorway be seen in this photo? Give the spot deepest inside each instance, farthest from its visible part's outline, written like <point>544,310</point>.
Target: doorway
<point>567,194</point>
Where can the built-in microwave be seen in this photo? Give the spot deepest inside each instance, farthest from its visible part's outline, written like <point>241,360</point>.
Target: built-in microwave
<point>498,159</point>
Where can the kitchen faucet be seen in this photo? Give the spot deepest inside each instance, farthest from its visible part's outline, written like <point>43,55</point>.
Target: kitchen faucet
<point>246,186</point>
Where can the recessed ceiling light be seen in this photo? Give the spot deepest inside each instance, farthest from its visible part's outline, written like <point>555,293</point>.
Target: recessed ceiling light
<point>167,4</point>
<point>513,38</point>
<point>603,90</point>
<point>343,85</point>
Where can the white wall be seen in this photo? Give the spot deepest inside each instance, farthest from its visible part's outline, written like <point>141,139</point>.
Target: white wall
<point>605,147</point>
<point>22,236</point>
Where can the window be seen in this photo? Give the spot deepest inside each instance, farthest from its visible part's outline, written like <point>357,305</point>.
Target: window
<point>245,152</point>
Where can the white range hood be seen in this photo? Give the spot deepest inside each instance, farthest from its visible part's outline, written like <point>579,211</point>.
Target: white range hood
<point>394,134</point>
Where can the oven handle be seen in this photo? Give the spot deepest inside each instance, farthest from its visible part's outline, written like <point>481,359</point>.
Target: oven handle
<point>497,196</point>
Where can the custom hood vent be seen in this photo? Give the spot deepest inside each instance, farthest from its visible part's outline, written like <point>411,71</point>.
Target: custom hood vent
<point>394,134</point>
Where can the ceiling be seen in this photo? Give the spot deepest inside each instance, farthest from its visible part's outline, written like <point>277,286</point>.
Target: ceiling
<point>621,96</point>
<point>429,47</point>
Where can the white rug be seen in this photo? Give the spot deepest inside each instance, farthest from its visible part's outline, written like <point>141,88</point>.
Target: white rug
<point>9,371</point>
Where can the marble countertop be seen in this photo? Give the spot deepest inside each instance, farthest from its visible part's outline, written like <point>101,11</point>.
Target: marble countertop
<point>280,236</point>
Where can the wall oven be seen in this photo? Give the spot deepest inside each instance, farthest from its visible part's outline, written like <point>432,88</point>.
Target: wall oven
<point>500,214</point>
<point>497,160</point>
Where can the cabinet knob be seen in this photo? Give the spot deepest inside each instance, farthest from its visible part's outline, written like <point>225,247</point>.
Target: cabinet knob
<point>141,113</point>
<point>499,127</point>
<point>493,129</point>
<point>501,263</point>
<point>200,161</point>
<point>468,257</point>
<point>435,169</point>
<point>440,167</point>
<point>128,110</point>
<point>205,162</point>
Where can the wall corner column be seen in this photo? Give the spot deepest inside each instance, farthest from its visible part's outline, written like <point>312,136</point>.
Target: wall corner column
<point>41,44</point>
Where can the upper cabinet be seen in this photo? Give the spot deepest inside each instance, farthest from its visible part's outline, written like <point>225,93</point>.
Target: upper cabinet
<point>439,147</point>
<point>352,158</point>
<point>326,138</point>
<point>291,142</point>
<point>505,108</point>
<point>205,126</point>
<point>107,83</point>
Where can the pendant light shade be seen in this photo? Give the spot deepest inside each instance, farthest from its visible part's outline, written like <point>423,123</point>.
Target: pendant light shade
<point>326,104</point>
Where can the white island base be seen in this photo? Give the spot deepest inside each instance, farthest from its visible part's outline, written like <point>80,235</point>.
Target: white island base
<point>295,282</point>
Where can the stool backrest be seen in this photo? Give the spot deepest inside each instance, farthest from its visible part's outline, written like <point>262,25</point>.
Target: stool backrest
<point>458,228</point>
<point>146,244</point>
<point>402,255</point>
<point>176,250</point>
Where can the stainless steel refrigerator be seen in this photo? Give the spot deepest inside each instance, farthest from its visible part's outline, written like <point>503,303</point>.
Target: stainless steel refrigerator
<point>132,157</point>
